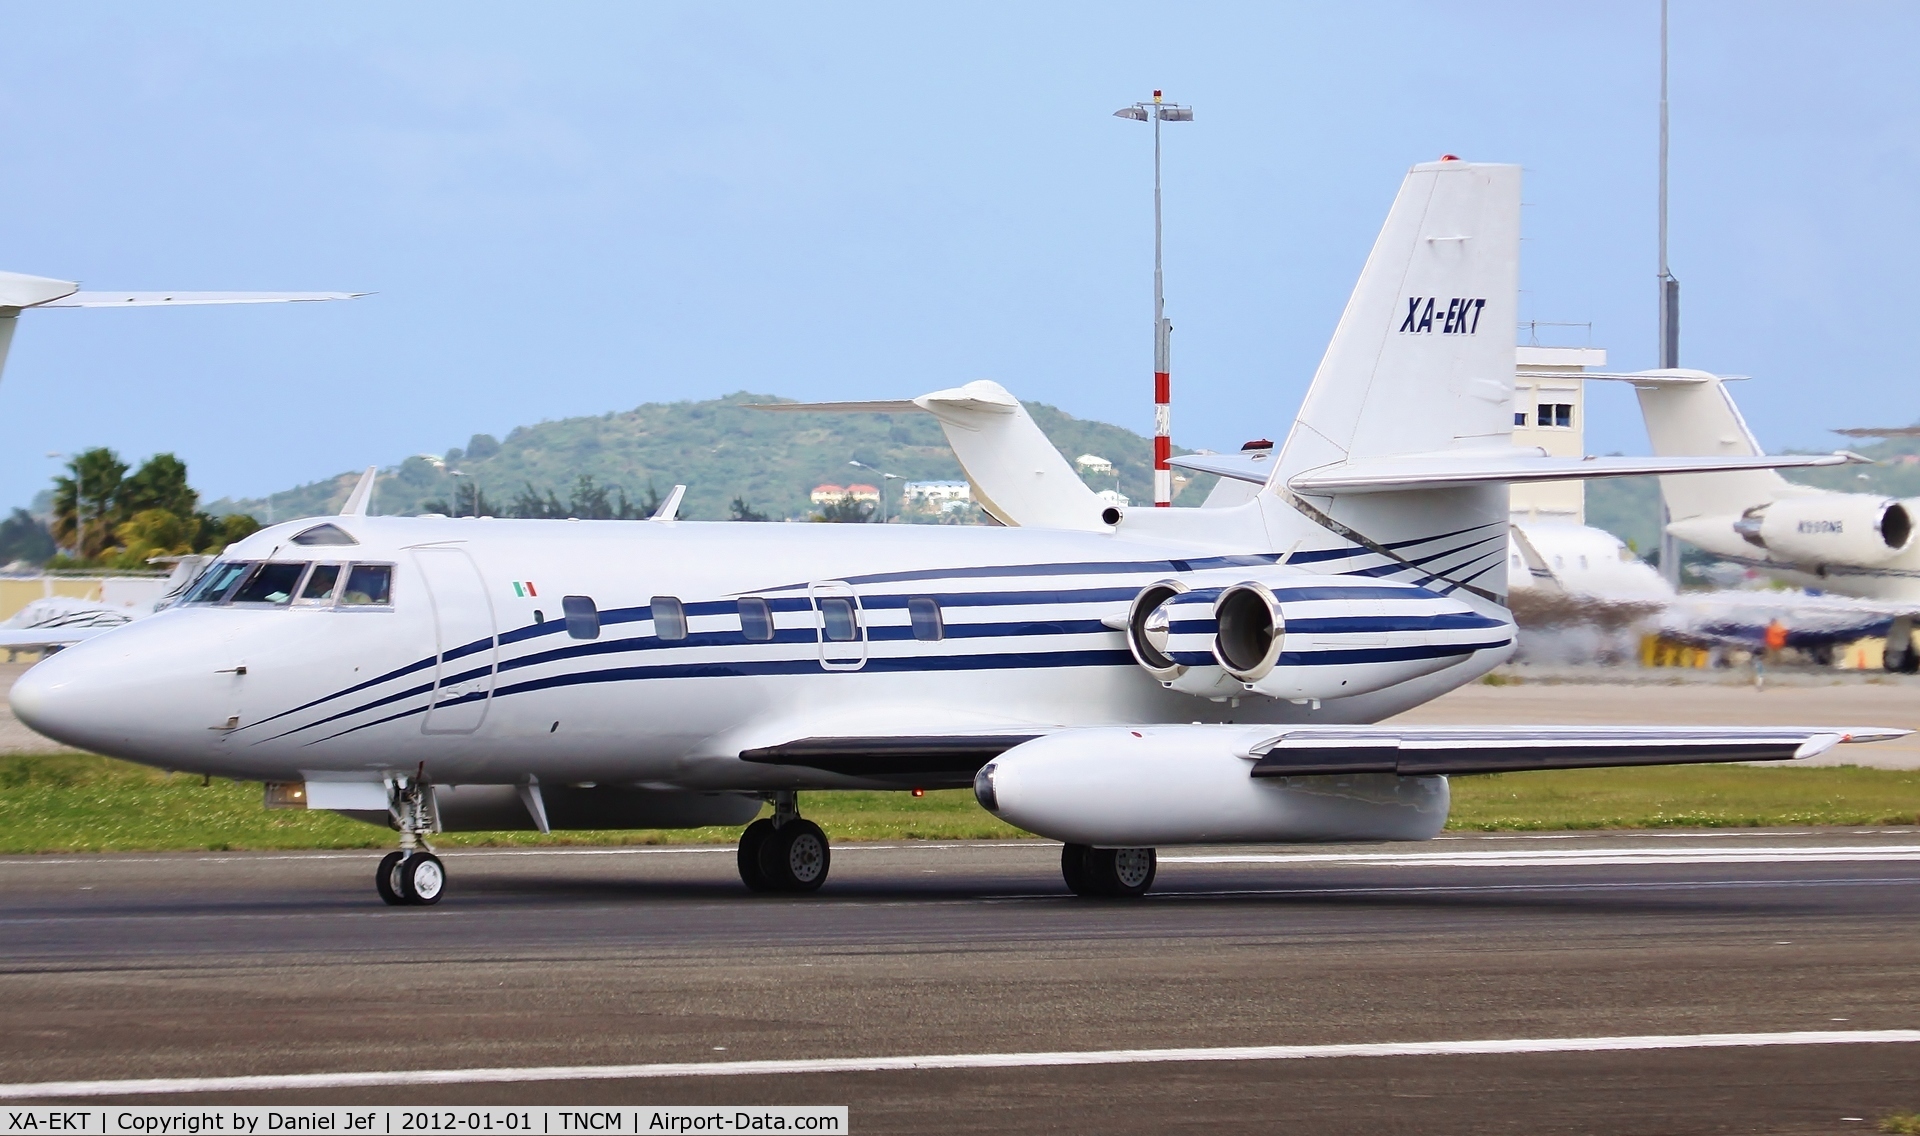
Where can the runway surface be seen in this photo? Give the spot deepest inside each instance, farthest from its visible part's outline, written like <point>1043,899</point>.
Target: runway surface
<point>1526,947</point>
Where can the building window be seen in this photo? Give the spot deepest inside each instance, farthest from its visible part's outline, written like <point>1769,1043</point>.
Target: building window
<point>1519,418</point>
<point>837,619</point>
<point>669,618</point>
<point>1555,414</point>
<point>925,613</point>
<point>583,619</point>
<point>756,620</point>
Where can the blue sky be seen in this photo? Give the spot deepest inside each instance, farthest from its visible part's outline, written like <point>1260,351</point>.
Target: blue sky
<point>574,209</point>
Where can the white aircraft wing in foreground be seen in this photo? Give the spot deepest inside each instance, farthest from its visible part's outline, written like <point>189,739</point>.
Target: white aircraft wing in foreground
<point>1117,682</point>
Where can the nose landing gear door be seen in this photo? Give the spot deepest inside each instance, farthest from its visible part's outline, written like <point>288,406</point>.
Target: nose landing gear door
<point>842,626</point>
<point>465,646</point>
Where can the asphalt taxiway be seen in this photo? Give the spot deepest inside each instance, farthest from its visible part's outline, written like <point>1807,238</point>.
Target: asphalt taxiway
<point>193,966</point>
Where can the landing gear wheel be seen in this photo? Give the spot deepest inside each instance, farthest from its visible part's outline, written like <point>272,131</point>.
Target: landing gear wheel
<point>1073,868</point>
<point>1121,873</point>
<point>794,857</point>
<point>385,882</point>
<point>422,879</point>
<point>750,842</point>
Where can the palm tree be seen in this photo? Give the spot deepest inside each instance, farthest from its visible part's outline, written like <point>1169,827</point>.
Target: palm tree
<point>86,502</point>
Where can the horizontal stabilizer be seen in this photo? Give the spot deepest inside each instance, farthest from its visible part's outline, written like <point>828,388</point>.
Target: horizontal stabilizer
<point>1512,467</point>
<point>1418,751</point>
<point>881,406</point>
<point>184,299</point>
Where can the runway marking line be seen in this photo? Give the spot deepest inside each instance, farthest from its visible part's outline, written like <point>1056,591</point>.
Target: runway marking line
<point>1568,857</point>
<point>305,1081</point>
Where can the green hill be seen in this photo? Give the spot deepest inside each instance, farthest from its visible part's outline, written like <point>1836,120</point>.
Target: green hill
<point>719,449</point>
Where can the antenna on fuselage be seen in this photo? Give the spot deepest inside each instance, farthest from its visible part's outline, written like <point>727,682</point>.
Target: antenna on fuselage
<point>362,495</point>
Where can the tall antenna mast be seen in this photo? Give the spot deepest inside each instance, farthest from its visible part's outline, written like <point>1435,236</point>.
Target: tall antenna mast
<point>1158,112</point>
<point>1669,346</point>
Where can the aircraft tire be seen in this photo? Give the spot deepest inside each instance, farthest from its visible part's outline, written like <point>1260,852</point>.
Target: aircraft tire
<point>423,880</point>
<point>1073,868</point>
<point>751,839</point>
<point>795,857</point>
<point>1122,873</point>
<point>384,880</point>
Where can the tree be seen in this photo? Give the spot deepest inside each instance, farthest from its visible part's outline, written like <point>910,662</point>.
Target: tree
<point>745,512</point>
<point>24,538</point>
<point>159,483</point>
<point>846,511</point>
<point>86,500</point>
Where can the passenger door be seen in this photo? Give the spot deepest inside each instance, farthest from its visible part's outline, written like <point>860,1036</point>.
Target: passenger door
<point>840,625</point>
<point>465,646</point>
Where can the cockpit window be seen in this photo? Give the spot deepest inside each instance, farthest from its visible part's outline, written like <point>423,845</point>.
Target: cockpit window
<point>368,585</point>
<point>320,584</point>
<point>219,580</point>
<point>325,534</point>
<point>272,582</point>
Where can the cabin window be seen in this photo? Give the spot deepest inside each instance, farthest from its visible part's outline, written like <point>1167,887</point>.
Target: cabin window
<point>320,584</point>
<point>583,619</point>
<point>368,585</point>
<point>219,580</point>
<point>669,618</point>
<point>925,614</point>
<point>756,620</point>
<point>838,622</point>
<point>271,583</point>
<point>325,534</point>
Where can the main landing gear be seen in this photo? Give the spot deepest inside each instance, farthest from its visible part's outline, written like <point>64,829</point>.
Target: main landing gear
<point>783,852</point>
<point>413,875</point>
<point>1112,873</point>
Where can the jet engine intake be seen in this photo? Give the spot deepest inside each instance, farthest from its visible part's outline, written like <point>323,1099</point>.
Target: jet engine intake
<point>1117,787</point>
<point>1170,629</point>
<point>1831,528</point>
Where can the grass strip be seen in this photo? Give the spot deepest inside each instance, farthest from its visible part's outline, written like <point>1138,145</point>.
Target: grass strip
<point>81,803</point>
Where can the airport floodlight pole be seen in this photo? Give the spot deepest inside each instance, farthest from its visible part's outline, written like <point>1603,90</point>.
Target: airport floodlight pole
<point>456,492</point>
<point>1158,112</point>
<point>884,478</point>
<point>1669,347</point>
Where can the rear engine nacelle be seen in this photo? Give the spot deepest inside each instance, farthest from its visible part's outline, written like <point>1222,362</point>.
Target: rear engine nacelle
<point>1153,786</point>
<point>1834,528</point>
<point>1302,637</point>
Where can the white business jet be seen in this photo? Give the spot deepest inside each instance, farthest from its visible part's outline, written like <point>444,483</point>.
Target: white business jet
<point>60,621</point>
<point>1117,681</point>
<point>1853,544</point>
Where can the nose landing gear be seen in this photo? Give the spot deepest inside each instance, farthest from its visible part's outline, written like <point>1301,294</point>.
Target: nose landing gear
<point>784,852</point>
<point>412,876</point>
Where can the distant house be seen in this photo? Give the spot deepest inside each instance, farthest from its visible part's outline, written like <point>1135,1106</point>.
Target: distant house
<point>832,494</point>
<point>1093,463</point>
<point>1113,497</point>
<point>937,491</point>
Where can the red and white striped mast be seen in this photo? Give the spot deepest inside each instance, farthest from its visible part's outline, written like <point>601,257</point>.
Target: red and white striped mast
<point>1158,112</point>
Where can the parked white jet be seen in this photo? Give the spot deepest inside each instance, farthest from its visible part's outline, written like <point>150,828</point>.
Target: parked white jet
<point>1855,544</point>
<point>1118,682</point>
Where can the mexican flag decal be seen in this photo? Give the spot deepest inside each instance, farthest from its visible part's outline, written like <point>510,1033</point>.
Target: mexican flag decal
<point>524,588</point>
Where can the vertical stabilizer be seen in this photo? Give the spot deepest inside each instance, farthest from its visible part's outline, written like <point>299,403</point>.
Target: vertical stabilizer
<point>1692,413</point>
<point>1420,364</point>
<point>1422,360</point>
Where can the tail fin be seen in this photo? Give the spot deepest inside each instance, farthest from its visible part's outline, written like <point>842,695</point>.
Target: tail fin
<point>1422,360</point>
<point>1421,365</point>
<point>1693,412</point>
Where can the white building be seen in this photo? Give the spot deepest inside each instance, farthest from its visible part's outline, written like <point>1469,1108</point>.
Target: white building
<point>1549,411</point>
<point>1093,463</point>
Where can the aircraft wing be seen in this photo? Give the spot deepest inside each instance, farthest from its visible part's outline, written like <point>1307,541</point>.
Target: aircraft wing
<point>1418,750</point>
<point>28,638</point>
<point>1512,466</point>
<point>184,299</point>
<point>951,760</point>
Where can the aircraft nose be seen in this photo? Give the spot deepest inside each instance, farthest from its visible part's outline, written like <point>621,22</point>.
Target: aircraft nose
<point>44,699</point>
